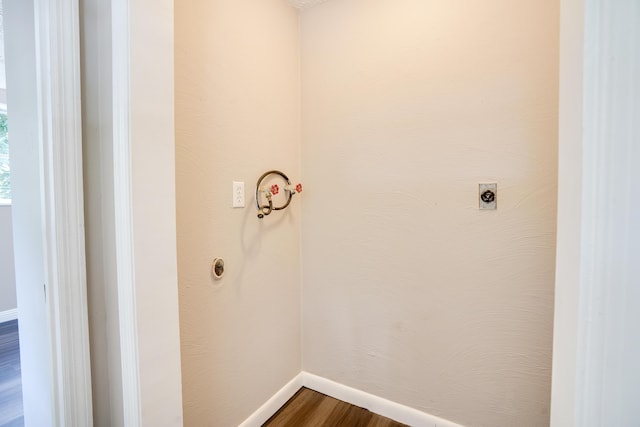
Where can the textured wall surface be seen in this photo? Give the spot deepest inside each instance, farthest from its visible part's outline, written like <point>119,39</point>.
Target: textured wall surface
<point>7,269</point>
<point>237,116</point>
<point>409,291</point>
<point>303,4</point>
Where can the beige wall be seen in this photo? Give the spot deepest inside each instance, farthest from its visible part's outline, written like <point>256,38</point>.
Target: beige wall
<point>237,116</point>
<point>409,291</point>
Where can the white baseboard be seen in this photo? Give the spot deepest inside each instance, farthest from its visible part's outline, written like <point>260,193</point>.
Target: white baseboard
<point>378,405</point>
<point>7,315</point>
<point>272,405</point>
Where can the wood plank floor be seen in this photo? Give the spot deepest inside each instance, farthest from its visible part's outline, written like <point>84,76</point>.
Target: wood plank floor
<point>11,414</point>
<point>308,408</point>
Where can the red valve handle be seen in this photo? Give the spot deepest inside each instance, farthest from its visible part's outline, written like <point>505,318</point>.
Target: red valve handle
<point>275,189</point>
<point>299,188</point>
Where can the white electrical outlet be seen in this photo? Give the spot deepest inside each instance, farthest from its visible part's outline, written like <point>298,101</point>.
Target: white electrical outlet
<point>238,194</point>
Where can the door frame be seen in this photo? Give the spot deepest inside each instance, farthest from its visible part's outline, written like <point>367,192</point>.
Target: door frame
<point>123,204</point>
<point>595,350</point>
<point>60,137</point>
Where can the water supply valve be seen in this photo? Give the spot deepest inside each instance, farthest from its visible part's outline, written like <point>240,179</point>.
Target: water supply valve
<point>264,195</point>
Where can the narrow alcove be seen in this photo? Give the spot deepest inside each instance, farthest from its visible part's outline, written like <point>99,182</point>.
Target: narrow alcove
<point>384,276</point>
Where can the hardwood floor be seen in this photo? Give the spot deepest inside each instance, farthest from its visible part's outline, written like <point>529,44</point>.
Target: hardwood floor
<point>11,414</point>
<point>308,408</point>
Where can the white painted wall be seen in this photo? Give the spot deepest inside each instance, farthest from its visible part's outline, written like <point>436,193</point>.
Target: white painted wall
<point>410,292</point>
<point>569,239</point>
<point>26,183</point>
<point>596,378</point>
<point>7,269</point>
<point>237,116</point>
<point>154,210</point>
<point>97,137</point>
<point>148,59</point>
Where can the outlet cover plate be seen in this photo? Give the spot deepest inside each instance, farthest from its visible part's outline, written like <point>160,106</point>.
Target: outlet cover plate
<point>238,194</point>
<point>488,196</point>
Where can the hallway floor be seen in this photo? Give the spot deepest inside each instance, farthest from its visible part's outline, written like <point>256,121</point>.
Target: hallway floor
<point>11,413</point>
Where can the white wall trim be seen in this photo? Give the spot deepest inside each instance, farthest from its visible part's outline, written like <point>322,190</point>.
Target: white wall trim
<point>271,406</point>
<point>595,378</point>
<point>131,398</point>
<point>608,348</point>
<point>58,70</point>
<point>378,405</point>
<point>8,315</point>
<point>569,214</point>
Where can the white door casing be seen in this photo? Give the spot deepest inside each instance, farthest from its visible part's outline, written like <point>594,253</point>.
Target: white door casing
<point>58,68</point>
<point>596,379</point>
<point>42,37</point>
<point>128,104</point>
